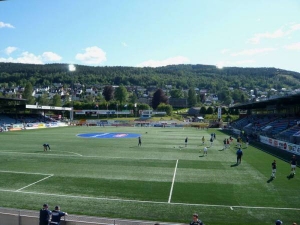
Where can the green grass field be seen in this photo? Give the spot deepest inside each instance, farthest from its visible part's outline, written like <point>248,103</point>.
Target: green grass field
<point>158,181</point>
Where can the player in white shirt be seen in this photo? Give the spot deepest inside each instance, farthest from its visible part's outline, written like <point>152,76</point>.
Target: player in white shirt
<point>205,151</point>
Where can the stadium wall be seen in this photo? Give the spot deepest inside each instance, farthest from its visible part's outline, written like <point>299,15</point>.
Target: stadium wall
<point>28,217</point>
<point>285,146</point>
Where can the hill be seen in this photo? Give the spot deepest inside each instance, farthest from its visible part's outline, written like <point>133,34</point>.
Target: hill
<point>179,76</point>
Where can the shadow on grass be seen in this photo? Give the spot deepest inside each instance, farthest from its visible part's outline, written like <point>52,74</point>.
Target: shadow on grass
<point>234,165</point>
<point>270,180</point>
<point>201,155</point>
<point>221,150</point>
<point>290,176</point>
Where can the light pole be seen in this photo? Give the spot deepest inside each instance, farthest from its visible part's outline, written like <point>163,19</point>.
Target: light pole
<point>72,68</point>
<point>117,111</point>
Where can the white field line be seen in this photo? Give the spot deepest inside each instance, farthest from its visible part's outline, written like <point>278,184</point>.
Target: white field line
<point>151,202</point>
<point>171,191</point>
<point>84,156</point>
<point>34,183</point>
<point>68,152</point>
<point>6,171</point>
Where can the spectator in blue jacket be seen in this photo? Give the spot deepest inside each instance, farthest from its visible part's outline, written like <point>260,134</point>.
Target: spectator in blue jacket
<point>57,215</point>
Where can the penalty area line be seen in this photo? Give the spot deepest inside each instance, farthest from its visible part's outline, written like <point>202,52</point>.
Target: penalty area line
<point>34,183</point>
<point>17,172</point>
<point>174,175</point>
<point>141,201</point>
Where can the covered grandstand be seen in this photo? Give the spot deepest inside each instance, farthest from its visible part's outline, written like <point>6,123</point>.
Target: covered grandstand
<point>16,115</point>
<point>275,122</point>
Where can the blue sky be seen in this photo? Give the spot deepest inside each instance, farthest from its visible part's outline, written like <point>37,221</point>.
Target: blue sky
<point>258,33</point>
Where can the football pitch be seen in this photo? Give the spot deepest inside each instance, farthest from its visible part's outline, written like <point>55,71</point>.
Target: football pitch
<point>101,171</point>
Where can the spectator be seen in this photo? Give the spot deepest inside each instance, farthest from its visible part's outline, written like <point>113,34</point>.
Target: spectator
<point>196,221</point>
<point>56,216</point>
<point>45,215</point>
<point>278,222</point>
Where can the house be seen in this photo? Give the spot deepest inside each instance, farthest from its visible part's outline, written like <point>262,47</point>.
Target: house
<point>194,111</point>
<point>178,102</point>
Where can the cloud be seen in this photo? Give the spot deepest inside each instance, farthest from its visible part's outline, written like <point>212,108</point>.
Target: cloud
<point>295,27</point>
<point>25,57</point>
<point>51,56</point>
<point>10,50</point>
<point>170,61</point>
<point>225,50</point>
<point>7,25</point>
<point>30,58</point>
<point>124,44</point>
<point>253,51</point>
<point>257,37</point>
<point>279,33</point>
<point>295,46</point>
<point>92,55</point>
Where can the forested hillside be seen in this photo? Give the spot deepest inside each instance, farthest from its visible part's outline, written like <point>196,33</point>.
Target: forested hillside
<point>180,76</point>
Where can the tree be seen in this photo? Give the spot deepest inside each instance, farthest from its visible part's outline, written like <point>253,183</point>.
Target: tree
<point>165,108</point>
<point>176,93</point>
<point>202,110</point>
<point>27,94</point>
<point>209,110</point>
<point>202,97</point>
<point>43,99</point>
<point>121,94</point>
<point>56,101</point>
<point>158,97</point>
<point>133,98</point>
<point>143,106</point>
<point>192,100</point>
<point>108,93</point>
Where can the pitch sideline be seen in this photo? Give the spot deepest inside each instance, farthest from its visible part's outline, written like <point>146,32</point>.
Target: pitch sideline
<point>150,202</point>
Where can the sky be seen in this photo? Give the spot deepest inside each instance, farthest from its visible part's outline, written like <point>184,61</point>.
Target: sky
<point>152,33</point>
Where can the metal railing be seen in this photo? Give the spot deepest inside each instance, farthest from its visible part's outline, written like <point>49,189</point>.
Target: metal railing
<point>18,217</point>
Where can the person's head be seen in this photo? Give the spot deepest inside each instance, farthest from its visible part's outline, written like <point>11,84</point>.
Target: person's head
<point>195,216</point>
<point>57,207</point>
<point>294,156</point>
<point>278,222</point>
<point>45,206</point>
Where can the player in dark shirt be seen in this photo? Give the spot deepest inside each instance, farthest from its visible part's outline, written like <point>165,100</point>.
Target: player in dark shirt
<point>140,141</point>
<point>293,165</point>
<point>196,221</point>
<point>46,146</point>
<point>273,169</point>
<point>56,216</point>
<point>224,142</point>
<point>186,141</point>
<point>44,215</point>
<point>239,155</point>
